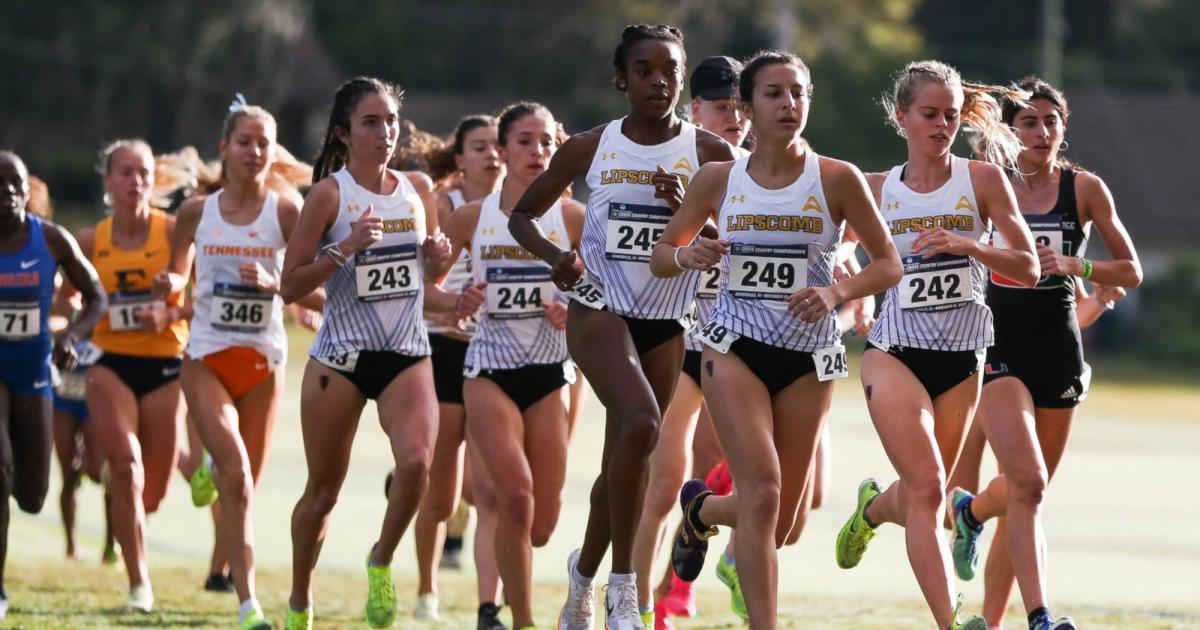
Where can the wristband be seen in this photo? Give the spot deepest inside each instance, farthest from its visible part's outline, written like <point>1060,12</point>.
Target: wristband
<point>1087,269</point>
<point>675,257</point>
<point>335,253</point>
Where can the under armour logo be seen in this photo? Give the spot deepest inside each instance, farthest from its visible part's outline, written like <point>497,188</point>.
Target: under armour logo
<point>737,199</point>
<point>892,205</point>
<point>608,156</point>
<point>353,208</point>
<point>488,231</point>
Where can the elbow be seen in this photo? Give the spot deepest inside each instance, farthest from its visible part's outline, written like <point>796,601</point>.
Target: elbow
<point>893,271</point>
<point>289,292</point>
<point>1030,273</point>
<point>662,264</point>
<point>1136,275</point>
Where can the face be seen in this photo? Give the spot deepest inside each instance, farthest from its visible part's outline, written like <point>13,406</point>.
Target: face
<point>130,178</point>
<point>480,159</point>
<point>374,129</point>
<point>722,117</point>
<point>932,119</point>
<point>529,145</point>
<point>1041,130</point>
<point>14,185</point>
<point>653,76</point>
<point>780,101</point>
<point>249,150</point>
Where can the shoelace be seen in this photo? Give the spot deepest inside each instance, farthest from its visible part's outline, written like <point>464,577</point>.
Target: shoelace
<point>381,589</point>
<point>584,604</point>
<point>626,607</point>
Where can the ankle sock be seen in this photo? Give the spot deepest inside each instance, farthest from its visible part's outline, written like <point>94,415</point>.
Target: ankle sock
<point>1039,615</point>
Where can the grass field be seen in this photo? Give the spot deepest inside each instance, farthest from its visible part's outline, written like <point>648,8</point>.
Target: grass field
<point>1119,515</point>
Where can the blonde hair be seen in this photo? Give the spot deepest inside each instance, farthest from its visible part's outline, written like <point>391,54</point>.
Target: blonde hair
<point>39,198</point>
<point>992,139</point>
<point>173,172</point>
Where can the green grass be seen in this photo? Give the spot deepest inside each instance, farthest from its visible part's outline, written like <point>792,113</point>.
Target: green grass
<point>1118,523</point>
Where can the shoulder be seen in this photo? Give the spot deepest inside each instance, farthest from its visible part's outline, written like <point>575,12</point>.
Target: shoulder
<point>465,218</point>
<point>985,176</point>
<point>192,208</point>
<point>584,142</point>
<point>286,207</point>
<point>712,148</point>
<point>711,180</point>
<point>58,239</point>
<point>834,170</point>
<point>1089,184</point>
<point>324,192</point>
<point>572,208</point>
<point>420,181</point>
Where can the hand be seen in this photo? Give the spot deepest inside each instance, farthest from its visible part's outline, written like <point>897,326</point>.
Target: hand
<point>253,274</point>
<point>810,304</point>
<point>842,272</point>
<point>704,254</point>
<point>437,250</point>
<point>166,283</point>
<point>941,241</point>
<point>668,186</point>
<point>470,300</point>
<point>1106,293</point>
<point>64,354</point>
<point>364,232</point>
<point>863,312</point>
<point>154,319</point>
<point>1053,263</point>
<point>556,312</point>
<point>567,270</point>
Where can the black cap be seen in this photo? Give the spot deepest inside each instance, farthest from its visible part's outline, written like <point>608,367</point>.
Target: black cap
<point>716,78</point>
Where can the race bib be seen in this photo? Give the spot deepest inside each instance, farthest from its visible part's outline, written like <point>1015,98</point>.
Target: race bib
<point>387,273</point>
<point>518,292</point>
<point>1047,230</point>
<point>633,230</point>
<point>710,282</point>
<point>588,292</point>
<point>123,309</point>
<point>341,362</point>
<point>20,320</point>
<point>239,308</point>
<point>72,386</point>
<point>767,272</point>
<point>831,363</point>
<point>690,318</point>
<point>717,337</point>
<point>936,284</point>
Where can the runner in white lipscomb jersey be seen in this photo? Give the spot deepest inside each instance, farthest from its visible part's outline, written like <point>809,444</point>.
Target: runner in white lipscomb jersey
<point>373,344</point>
<point>921,370</point>
<point>625,326</point>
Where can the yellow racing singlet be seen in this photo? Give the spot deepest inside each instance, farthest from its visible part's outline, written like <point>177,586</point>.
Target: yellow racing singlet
<point>127,276</point>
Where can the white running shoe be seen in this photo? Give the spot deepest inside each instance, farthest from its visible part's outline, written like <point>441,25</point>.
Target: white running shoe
<point>621,611</point>
<point>141,598</point>
<point>3,608</point>
<point>427,607</point>
<point>579,613</point>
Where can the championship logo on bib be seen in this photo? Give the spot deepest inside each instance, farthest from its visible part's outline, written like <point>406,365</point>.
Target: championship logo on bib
<point>124,307</point>
<point>1047,230</point>
<point>387,273</point>
<point>767,272</point>
<point>935,284</point>
<point>518,292</point>
<point>633,230</point>
<point>239,308</point>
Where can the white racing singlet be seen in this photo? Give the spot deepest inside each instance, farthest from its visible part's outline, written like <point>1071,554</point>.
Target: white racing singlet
<point>374,301</point>
<point>513,330</point>
<point>939,303</point>
<point>624,220</point>
<point>227,312</point>
<point>781,241</point>
<point>456,280</point>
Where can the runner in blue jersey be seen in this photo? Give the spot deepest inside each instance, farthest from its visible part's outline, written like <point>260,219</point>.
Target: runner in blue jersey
<point>31,252</point>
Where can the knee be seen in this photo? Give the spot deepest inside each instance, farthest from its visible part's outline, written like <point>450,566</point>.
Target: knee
<point>235,484</point>
<point>412,467</point>
<point>1028,489</point>
<point>128,475</point>
<point>31,497</point>
<point>761,500</point>
<point>438,508</point>
<point>318,500</point>
<point>517,507</point>
<point>926,494</point>
<point>662,494</point>
<point>639,431</point>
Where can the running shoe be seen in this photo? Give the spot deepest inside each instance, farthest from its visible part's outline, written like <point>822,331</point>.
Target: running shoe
<point>966,538</point>
<point>691,543</point>
<point>647,616</point>
<point>856,533</point>
<point>680,601</point>
<point>579,613</point>
<point>727,573</point>
<point>3,607</point>
<point>489,618</point>
<point>141,598</point>
<point>299,619</point>
<point>204,490</point>
<point>426,607</point>
<point>1063,623</point>
<point>451,558</point>
<point>621,610</point>
<point>662,619</point>
<point>255,620</point>
<point>973,623</point>
<point>111,556</point>
<point>219,583</point>
<point>380,610</point>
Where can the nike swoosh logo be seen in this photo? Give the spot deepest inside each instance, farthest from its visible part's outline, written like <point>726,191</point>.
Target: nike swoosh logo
<point>170,371</point>
<point>260,367</point>
<point>252,234</point>
<point>40,384</point>
<point>151,254</point>
<point>25,264</point>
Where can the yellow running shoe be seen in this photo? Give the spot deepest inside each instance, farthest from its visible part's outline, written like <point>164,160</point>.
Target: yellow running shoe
<point>381,596</point>
<point>856,533</point>
<point>204,490</point>
<point>299,619</point>
<point>255,620</point>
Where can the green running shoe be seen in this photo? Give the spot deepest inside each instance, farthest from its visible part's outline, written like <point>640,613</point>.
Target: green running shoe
<point>204,490</point>
<point>299,619</point>
<point>973,623</point>
<point>727,573</point>
<point>856,533</point>
<point>648,617</point>
<point>964,547</point>
<point>255,620</point>
<point>381,596</point>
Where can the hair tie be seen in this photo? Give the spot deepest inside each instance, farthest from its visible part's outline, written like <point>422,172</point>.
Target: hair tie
<point>238,103</point>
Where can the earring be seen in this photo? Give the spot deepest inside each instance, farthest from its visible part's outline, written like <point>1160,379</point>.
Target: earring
<point>1063,146</point>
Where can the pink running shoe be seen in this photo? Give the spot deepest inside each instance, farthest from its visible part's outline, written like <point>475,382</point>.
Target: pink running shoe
<point>719,480</point>
<point>680,600</point>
